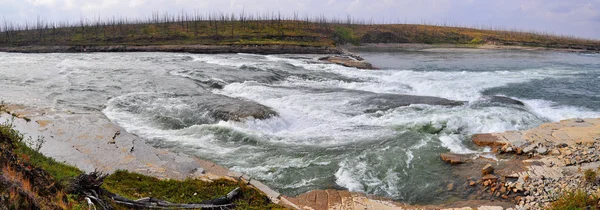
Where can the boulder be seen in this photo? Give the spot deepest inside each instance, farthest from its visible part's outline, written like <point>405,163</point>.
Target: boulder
<point>505,100</point>
<point>383,102</point>
<point>487,169</point>
<point>348,61</point>
<point>542,150</point>
<point>455,158</point>
<point>487,139</point>
<point>529,148</point>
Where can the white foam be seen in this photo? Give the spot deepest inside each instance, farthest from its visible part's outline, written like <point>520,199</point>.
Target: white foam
<point>454,143</point>
<point>345,176</point>
<point>554,112</point>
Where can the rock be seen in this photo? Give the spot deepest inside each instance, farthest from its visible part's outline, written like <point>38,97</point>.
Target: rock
<point>554,152</point>
<point>542,150</point>
<point>450,186</point>
<point>490,208</point>
<point>348,62</point>
<point>489,177</point>
<point>197,172</point>
<point>383,102</point>
<point>487,169</point>
<point>455,158</point>
<point>472,183</point>
<point>487,139</point>
<point>579,120</point>
<point>505,100</point>
<point>506,148</point>
<point>566,151</point>
<point>529,149</point>
<point>518,187</point>
<point>233,109</point>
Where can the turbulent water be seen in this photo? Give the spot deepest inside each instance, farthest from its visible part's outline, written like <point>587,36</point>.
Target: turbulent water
<point>335,127</point>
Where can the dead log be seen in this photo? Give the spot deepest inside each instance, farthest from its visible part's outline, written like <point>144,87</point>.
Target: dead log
<point>89,186</point>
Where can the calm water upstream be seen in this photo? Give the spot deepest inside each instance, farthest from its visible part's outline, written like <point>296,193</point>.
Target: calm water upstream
<point>331,131</point>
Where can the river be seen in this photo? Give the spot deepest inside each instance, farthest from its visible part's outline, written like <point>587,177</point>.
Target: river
<point>335,127</point>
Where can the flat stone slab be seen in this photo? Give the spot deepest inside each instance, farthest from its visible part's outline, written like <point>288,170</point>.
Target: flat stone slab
<point>566,132</point>
<point>455,158</point>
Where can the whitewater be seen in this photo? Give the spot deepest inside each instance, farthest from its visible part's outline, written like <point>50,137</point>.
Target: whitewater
<point>336,127</point>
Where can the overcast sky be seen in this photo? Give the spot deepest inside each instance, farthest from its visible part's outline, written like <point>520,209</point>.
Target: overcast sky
<point>571,17</point>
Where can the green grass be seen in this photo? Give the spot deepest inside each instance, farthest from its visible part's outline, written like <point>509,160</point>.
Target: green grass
<point>60,171</point>
<point>136,186</point>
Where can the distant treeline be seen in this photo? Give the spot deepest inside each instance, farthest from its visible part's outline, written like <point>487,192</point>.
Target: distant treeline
<point>264,29</point>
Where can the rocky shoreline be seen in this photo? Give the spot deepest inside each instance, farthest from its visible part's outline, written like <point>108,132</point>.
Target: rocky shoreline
<point>91,142</point>
<point>533,168</point>
<point>528,169</point>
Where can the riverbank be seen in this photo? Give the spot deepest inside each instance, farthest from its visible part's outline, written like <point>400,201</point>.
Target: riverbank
<point>437,47</point>
<point>277,49</point>
<point>201,49</point>
<point>92,143</point>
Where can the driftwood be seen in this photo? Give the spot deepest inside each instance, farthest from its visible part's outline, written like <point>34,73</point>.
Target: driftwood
<point>89,186</point>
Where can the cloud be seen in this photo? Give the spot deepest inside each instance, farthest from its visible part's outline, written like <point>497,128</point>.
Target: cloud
<point>573,17</point>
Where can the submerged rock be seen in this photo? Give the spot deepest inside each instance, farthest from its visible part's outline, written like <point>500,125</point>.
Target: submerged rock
<point>173,111</point>
<point>382,102</point>
<point>505,100</point>
<point>227,108</point>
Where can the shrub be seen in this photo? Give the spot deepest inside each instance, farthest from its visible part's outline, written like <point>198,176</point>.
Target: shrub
<point>590,175</point>
<point>476,40</point>
<point>575,200</point>
<point>343,35</point>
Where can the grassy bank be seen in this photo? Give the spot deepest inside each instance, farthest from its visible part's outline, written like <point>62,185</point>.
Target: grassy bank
<point>30,180</point>
<point>184,29</point>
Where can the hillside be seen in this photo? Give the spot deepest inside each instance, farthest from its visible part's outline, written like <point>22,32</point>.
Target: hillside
<point>184,30</point>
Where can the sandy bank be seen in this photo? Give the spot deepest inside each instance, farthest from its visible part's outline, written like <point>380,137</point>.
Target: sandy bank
<point>201,49</point>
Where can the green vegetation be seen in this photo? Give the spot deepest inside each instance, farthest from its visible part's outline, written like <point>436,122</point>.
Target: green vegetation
<point>268,29</point>
<point>590,175</point>
<point>575,200</point>
<point>24,180</point>
<point>136,186</point>
<point>344,35</point>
